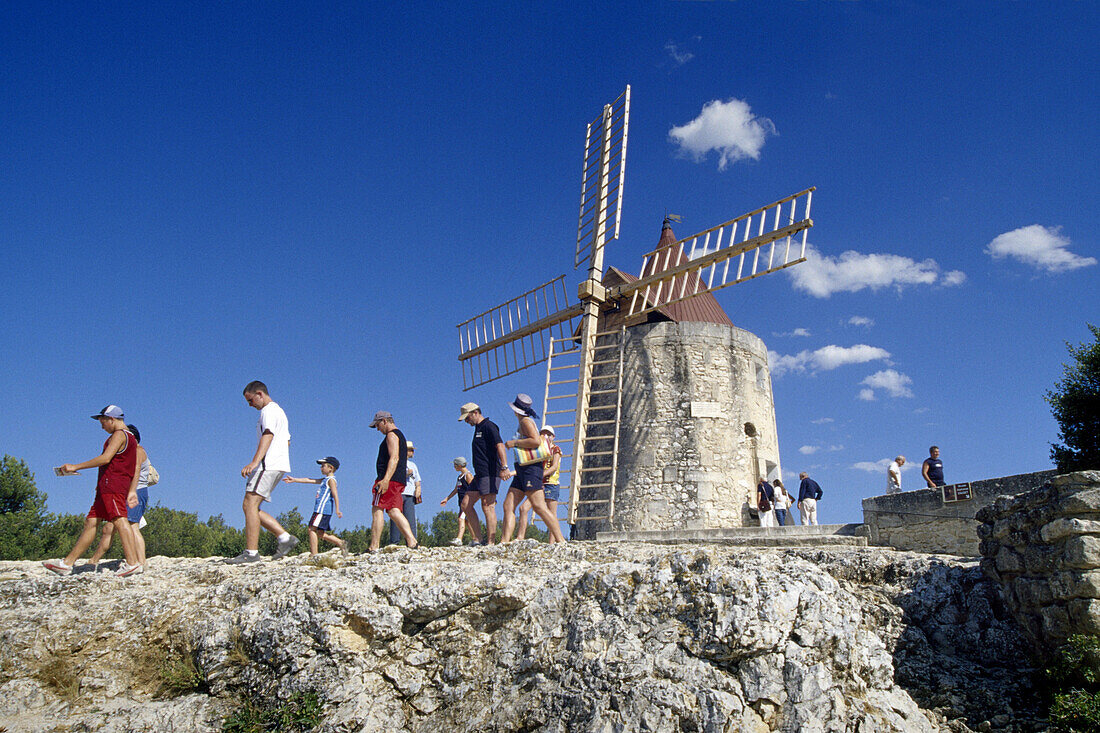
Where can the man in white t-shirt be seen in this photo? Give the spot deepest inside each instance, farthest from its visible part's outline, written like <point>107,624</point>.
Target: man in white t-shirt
<point>410,497</point>
<point>893,475</point>
<point>266,469</point>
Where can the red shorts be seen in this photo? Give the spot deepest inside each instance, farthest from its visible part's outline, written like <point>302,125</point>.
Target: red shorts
<point>108,506</point>
<point>390,498</point>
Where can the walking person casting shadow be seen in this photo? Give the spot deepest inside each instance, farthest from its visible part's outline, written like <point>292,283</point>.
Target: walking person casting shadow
<point>528,480</point>
<point>388,490</point>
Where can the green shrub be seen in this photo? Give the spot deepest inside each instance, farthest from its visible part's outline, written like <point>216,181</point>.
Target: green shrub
<point>300,713</point>
<point>1074,679</point>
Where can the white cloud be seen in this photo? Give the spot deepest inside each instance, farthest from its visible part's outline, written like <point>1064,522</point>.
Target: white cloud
<point>861,321</point>
<point>822,420</point>
<point>825,358</point>
<point>1041,247</point>
<point>867,395</point>
<point>951,278</point>
<point>821,275</point>
<point>808,450</point>
<point>795,332</point>
<point>872,466</point>
<point>678,55</point>
<point>730,128</point>
<point>893,382</point>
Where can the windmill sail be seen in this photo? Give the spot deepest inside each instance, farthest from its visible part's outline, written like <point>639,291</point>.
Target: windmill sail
<point>515,335</point>
<point>740,249</point>
<point>602,177</point>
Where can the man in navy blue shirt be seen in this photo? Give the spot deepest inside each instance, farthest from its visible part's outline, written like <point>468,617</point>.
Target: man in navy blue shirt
<point>489,464</point>
<point>808,494</point>
<point>932,470</point>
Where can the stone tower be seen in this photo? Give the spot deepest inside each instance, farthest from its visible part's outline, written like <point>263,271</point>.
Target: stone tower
<point>697,425</point>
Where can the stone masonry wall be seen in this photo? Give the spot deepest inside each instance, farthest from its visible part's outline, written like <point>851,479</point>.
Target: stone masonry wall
<point>920,521</point>
<point>685,457</point>
<point>1044,548</point>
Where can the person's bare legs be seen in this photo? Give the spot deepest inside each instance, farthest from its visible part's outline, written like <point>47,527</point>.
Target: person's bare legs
<point>377,520</point>
<point>333,539</point>
<point>312,541</point>
<point>461,524</point>
<point>122,529</point>
<point>83,542</point>
<point>538,503</point>
<point>524,508</point>
<point>105,538</point>
<point>254,518</point>
<point>469,509</point>
<point>398,518</point>
<point>489,507</point>
<point>511,500</point>
<point>139,541</point>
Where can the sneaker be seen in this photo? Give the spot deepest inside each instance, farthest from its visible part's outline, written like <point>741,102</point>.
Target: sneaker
<point>457,542</point>
<point>243,558</point>
<point>125,570</point>
<point>57,566</point>
<point>344,548</point>
<point>285,547</point>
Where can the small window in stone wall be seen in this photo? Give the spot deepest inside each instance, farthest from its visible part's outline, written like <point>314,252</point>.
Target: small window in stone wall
<point>750,430</point>
<point>761,377</point>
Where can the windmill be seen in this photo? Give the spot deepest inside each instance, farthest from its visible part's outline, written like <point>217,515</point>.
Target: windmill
<point>543,324</point>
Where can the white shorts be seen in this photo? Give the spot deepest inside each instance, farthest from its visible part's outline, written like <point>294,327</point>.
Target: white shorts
<point>263,482</point>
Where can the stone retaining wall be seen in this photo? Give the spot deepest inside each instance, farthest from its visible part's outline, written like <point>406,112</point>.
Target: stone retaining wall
<point>1044,548</point>
<point>920,521</point>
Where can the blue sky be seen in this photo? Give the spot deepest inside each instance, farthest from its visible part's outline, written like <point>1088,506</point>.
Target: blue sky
<point>193,196</point>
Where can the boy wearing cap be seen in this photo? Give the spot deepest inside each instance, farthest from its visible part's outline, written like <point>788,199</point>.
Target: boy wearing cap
<point>410,497</point>
<point>115,491</point>
<point>269,464</point>
<point>326,502</point>
<point>490,464</point>
<point>392,472</point>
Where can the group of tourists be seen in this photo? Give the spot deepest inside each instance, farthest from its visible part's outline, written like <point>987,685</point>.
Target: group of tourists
<point>125,474</point>
<point>773,503</point>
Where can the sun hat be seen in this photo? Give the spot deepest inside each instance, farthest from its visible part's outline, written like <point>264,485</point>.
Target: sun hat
<point>109,411</point>
<point>522,405</point>
<point>548,429</point>
<point>466,410</point>
<point>329,460</point>
<point>379,417</point>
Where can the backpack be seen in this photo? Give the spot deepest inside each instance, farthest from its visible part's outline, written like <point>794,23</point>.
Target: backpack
<point>154,477</point>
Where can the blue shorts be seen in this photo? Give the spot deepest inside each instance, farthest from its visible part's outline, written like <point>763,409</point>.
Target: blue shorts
<point>528,478</point>
<point>553,491</point>
<point>320,521</point>
<point>135,513</point>
<point>486,485</point>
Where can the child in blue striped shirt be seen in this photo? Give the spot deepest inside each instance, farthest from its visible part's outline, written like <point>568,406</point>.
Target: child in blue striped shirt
<point>327,502</point>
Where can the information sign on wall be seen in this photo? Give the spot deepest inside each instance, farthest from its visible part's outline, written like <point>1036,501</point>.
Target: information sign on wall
<point>957,492</point>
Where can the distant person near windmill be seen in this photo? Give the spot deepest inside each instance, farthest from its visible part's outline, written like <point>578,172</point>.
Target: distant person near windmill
<point>893,475</point>
<point>392,472</point>
<point>932,470</point>
<point>809,492</point>
<point>528,480</point>
<point>490,461</point>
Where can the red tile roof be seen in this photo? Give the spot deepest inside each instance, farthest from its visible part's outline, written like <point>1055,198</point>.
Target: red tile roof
<point>700,308</point>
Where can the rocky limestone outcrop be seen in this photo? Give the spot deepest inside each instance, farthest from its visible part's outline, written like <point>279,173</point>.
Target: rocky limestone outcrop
<point>575,637</point>
<point>1044,547</point>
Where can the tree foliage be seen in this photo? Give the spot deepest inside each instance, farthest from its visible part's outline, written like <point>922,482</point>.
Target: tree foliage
<point>1075,402</point>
